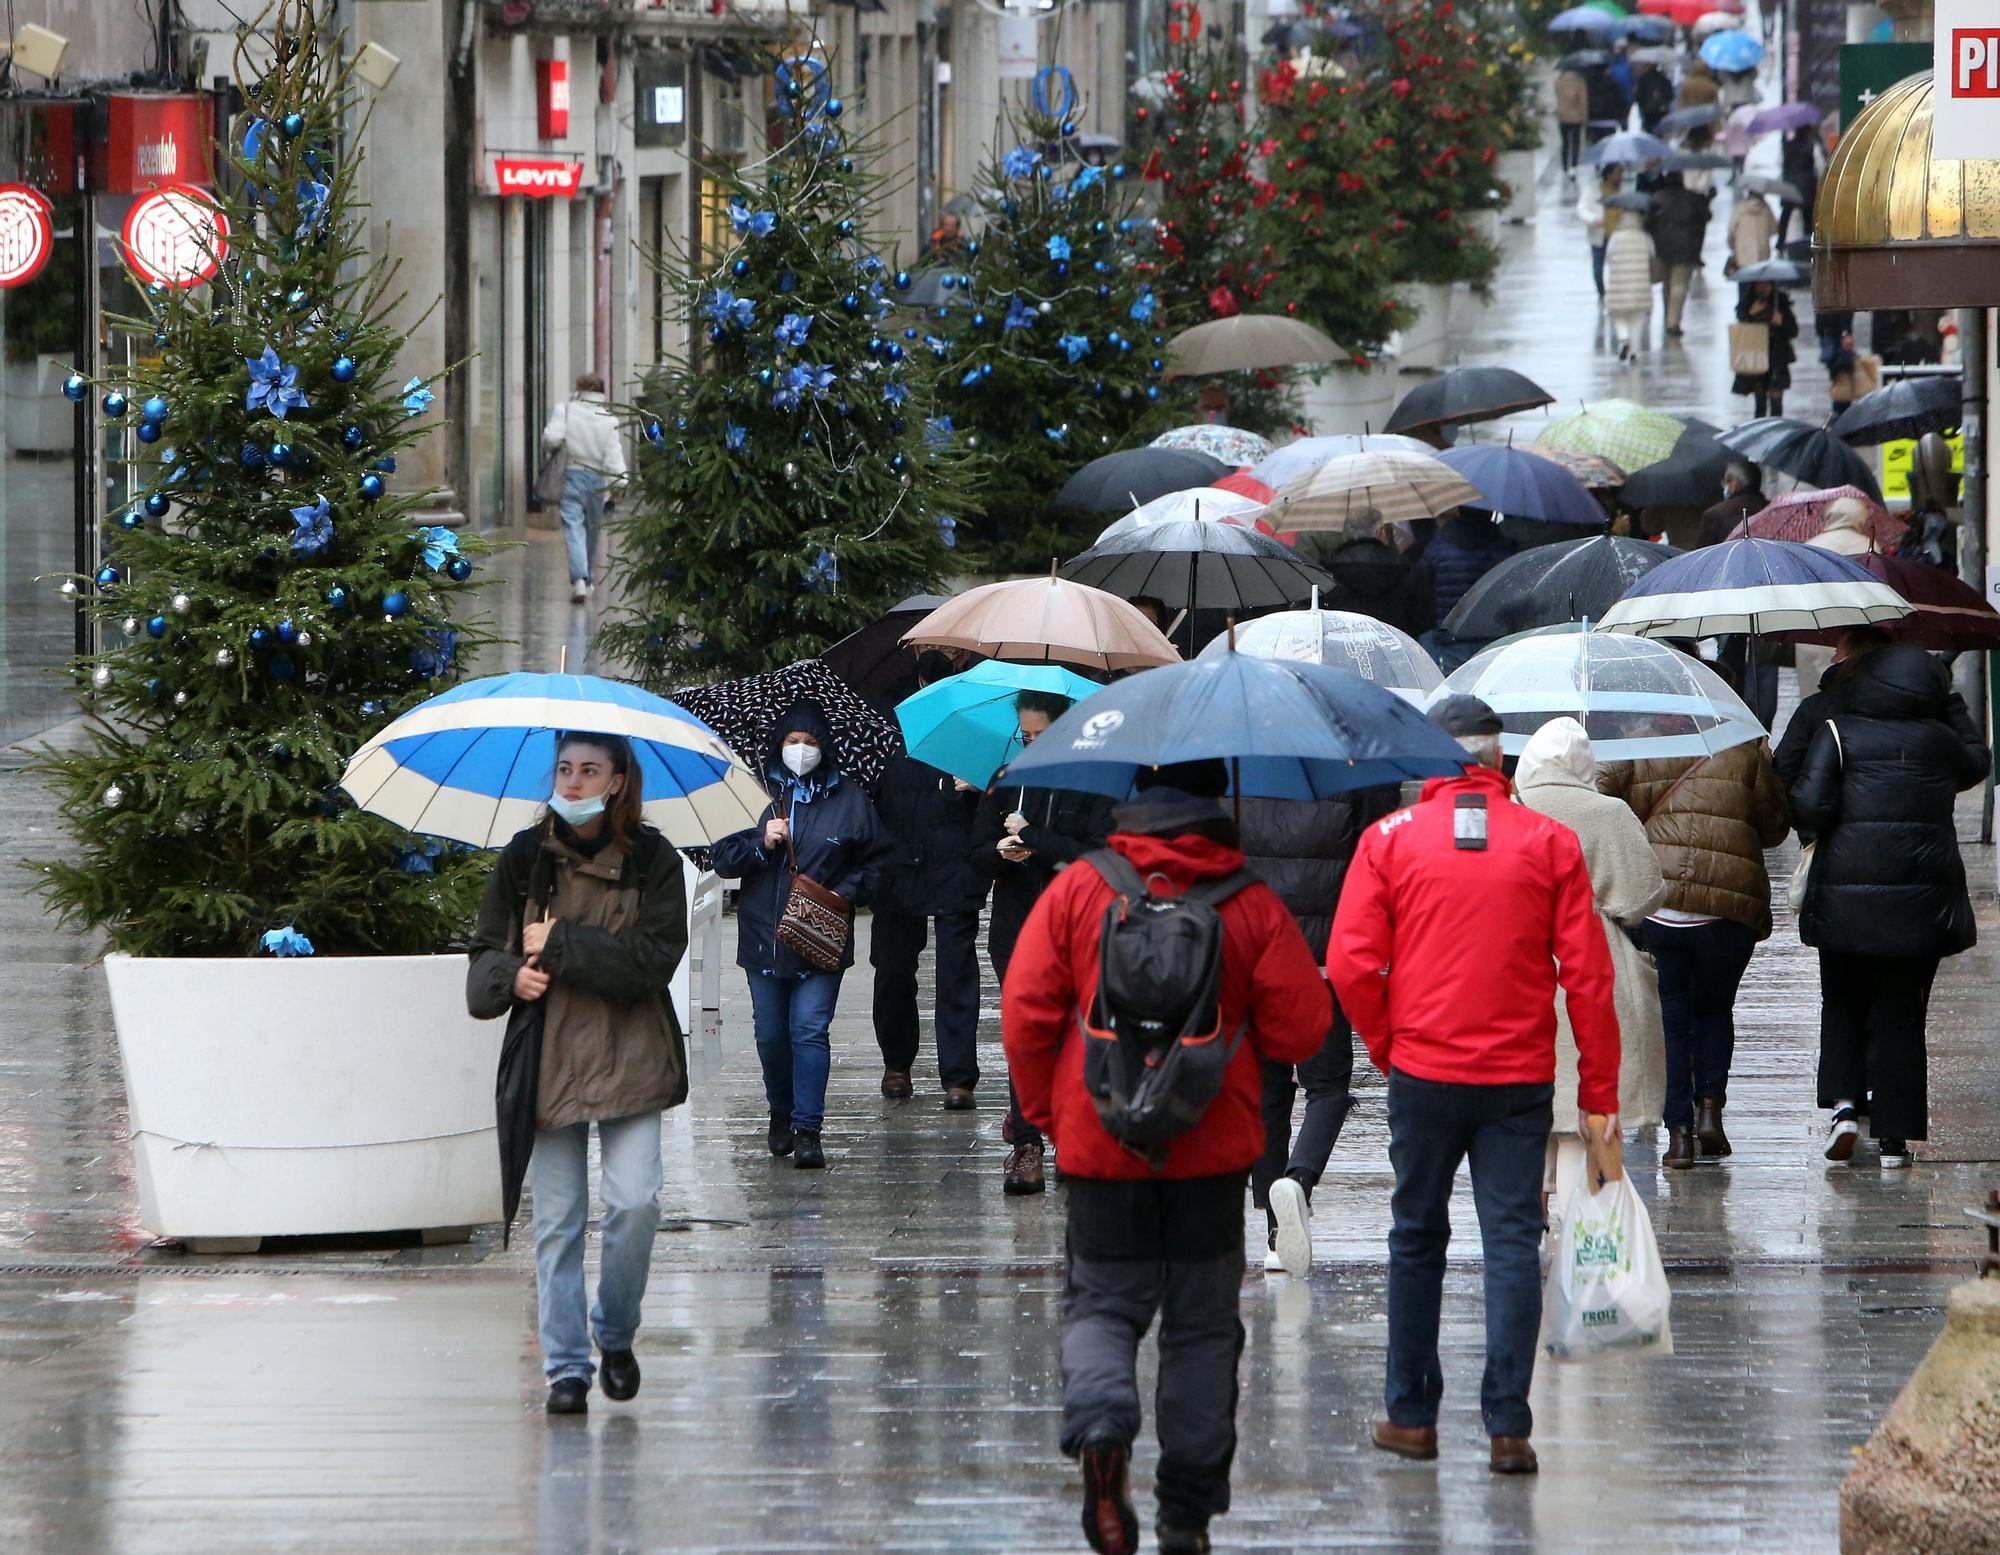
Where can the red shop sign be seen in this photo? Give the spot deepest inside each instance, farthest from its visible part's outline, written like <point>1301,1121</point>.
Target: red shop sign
<point>27,234</point>
<point>538,177</point>
<point>154,140</point>
<point>552,98</point>
<point>176,236</point>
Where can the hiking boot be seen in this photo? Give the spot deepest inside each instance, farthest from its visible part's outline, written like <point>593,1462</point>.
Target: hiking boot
<point>1177,1539</point>
<point>959,1099</point>
<point>896,1084</point>
<point>1680,1149</point>
<point>1708,1127</point>
<point>569,1396</point>
<point>1513,1455</point>
<point>1406,1441</point>
<point>1291,1236</point>
<point>1110,1521</point>
<point>807,1156</point>
<point>620,1375</point>
<point>780,1136</point>
<point>1024,1172</point>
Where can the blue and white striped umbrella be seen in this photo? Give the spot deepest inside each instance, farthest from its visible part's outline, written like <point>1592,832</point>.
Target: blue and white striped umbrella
<point>477,762</point>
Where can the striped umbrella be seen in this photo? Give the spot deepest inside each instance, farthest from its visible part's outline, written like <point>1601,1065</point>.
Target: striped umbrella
<point>1628,434</point>
<point>1397,486</point>
<point>1309,453</point>
<point>1759,586</point>
<point>1232,445</point>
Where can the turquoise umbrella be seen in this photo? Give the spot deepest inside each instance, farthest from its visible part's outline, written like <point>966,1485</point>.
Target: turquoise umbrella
<point>965,724</point>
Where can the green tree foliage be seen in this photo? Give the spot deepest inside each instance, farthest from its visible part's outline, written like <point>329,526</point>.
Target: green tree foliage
<point>795,481</point>
<point>269,600</point>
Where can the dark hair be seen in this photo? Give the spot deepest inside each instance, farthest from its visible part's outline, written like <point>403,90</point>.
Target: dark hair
<point>1152,601</point>
<point>1862,638</point>
<point>933,665</point>
<point>622,809</point>
<point>589,383</point>
<point>1206,777</point>
<point>1047,703</point>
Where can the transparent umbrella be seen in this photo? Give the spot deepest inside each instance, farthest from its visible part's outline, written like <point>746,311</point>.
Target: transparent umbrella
<point>1372,649</point>
<point>1201,505</point>
<point>1635,697</point>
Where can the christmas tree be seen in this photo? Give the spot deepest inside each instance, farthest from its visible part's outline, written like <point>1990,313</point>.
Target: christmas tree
<point>1059,357</point>
<point>796,480</point>
<point>269,600</point>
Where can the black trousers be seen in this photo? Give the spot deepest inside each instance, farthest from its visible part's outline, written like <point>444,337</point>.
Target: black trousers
<point>1172,1249</point>
<point>1572,145</point>
<point>1018,1130</point>
<point>1872,1011</point>
<point>897,941</point>
<point>1327,1078</point>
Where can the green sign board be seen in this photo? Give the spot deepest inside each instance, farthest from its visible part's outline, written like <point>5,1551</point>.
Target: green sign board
<point>1867,70</point>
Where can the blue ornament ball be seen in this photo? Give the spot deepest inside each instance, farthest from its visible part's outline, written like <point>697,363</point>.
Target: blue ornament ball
<point>298,299</point>
<point>158,504</point>
<point>336,598</point>
<point>1118,170</point>
<point>155,409</point>
<point>260,639</point>
<point>1062,267</point>
<point>851,303</point>
<point>978,321</point>
<point>764,377</point>
<point>951,283</point>
<point>251,457</point>
<point>835,107</point>
<point>1157,364</point>
<point>293,124</point>
<point>351,437</point>
<point>715,334</point>
<point>894,351</point>
<point>131,519</point>
<point>343,369</point>
<point>902,281</point>
<point>156,626</point>
<point>909,334</point>
<point>898,462</point>
<point>1098,227</point>
<point>153,687</point>
<point>972,248</point>
<point>279,667</point>
<point>281,455</point>
<point>740,269</point>
<point>75,387</point>
<point>458,569</point>
<point>386,464</point>
<point>280,751</point>
<point>114,404</point>
<point>1097,389</point>
<point>149,431</point>
<point>371,487</point>
<point>395,604</point>
<point>287,633</point>
<point>1152,391</point>
<point>159,337</point>
<point>896,425</point>
<point>847,164</point>
<point>107,576</point>
<point>1103,293</point>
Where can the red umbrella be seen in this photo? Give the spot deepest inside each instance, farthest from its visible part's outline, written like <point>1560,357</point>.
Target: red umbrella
<point>1685,13</point>
<point>1800,515</point>
<point>1949,613</point>
<point>1244,484</point>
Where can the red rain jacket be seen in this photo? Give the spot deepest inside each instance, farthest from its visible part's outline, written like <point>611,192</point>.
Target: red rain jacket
<point>1267,970</point>
<point>1447,959</point>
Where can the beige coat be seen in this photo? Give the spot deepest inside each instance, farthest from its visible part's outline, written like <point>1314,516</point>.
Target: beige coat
<point>1572,98</point>
<point>1628,270</point>
<point>1752,231</point>
<point>1557,777</point>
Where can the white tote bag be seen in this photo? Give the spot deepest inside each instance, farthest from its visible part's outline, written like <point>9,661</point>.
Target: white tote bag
<point>1795,890</point>
<point>1607,1289</point>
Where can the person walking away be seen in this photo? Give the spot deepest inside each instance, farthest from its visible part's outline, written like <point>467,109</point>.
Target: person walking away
<point>1752,231</point>
<point>928,816</point>
<point>1572,113</point>
<point>1157,1233</point>
<point>1698,87</point>
<point>1619,73</point>
<point>1699,141</point>
<point>1557,777</point>
<point>1742,498</point>
<point>1799,160</point>
<point>1301,850</point>
<point>1654,94</point>
<point>1886,898</point>
<point>1458,920</point>
<point>821,827</point>
<point>1709,821</point>
<point>1843,530</point>
<point>1850,372</point>
<point>1608,105</point>
<point>1678,222</point>
<point>586,912</point>
<point>1762,302</point>
<point>1021,838</point>
<point>1468,545</point>
<point>1371,577</point>
<point>1628,278</point>
<point>585,432</point>
<point>1597,219</point>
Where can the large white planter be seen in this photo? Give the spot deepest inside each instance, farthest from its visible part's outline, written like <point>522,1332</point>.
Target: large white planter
<point>1518,168</point>
<point>306,1096</point>
<point>1422,343</point>
<point>1350,399</point>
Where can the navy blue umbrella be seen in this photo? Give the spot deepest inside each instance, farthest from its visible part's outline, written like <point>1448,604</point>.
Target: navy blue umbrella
<point>1759,586</point>
<point>1289,730</point>
<point>1522,485</point>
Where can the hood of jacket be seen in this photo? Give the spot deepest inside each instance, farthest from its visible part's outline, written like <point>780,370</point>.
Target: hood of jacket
<point>805,716</point>
<point>1557,753</point>
<point>1899,680</point>
<point>1181,836</point>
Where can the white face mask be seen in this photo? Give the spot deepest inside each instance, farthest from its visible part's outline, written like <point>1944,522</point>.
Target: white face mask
<point>801,759</point>
<point>577,811</point>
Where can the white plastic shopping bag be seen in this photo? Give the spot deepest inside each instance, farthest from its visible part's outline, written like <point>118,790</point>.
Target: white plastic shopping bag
<point>1607,1289</point>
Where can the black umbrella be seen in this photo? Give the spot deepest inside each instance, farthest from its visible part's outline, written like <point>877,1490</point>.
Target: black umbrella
<point>517,1091</point>
<point>1682,120</point>
<point>1117,483</point>
<point>1780,272</point>
<point>1466,394</point>
<point>1908,407</point>
<point>745,711</point>
<point>1575,580</point>
<point>1198,566</point>
<point>874,660</point>
<point>1809,453</point>
<point>1689,477</point>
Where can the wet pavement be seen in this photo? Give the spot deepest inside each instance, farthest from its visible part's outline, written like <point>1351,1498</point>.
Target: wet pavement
<point>864,1358</point>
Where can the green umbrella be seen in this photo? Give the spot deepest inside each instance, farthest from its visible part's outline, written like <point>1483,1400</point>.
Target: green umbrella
<point>1628,434</point>
<point>1608,7</point>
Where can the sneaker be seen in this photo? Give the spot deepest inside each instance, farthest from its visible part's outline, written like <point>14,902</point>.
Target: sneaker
<point>569,1396</point>
<point>1895,1155</point>
<point>1273,1264</point>
<point>620,1375</point>
<point>1841,1136</point>
<point>1025,1172</point>
<point>1110,1521</point>
<point>1292,1239</point>
<point>579,591</point>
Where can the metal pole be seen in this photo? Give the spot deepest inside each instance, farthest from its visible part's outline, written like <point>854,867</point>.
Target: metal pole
<point>1972,348</point>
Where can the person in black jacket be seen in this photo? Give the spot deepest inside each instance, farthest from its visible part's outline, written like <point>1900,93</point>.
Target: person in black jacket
<point>820,826</point>
<point>1371,577</point>
<point>1020,839</point>
<point>1654,93</point>
<point>929,816</point>
<point>1886,896</point>
<point>1466,547</point>
<point>1763,303</point>
<point>1678,222</point>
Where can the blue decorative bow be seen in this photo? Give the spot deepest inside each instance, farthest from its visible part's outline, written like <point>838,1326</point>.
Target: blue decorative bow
<point>315,529</point>
<point>1020,162</point>
<point>439,544</point>
<point>287,941</point>
<point>1075,347</point>
<point>1142,310</point>
<point>273,385</point>
<point>733,435</point>
<point>725,307</point>
<point>1019,316</point>
<point>416,398</point>
<point>1058,247</point>
<point>793,329</point>
<point>756,223</point>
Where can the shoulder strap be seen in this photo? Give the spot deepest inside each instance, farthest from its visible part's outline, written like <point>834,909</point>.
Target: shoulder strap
<point>1116,871</point>
<point>1213,893</point>
<point>1839,750</point>
<point>1689,771</point>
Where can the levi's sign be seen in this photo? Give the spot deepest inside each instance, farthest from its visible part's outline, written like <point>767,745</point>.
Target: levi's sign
<point>1965,82</point>
<point>537,177</point>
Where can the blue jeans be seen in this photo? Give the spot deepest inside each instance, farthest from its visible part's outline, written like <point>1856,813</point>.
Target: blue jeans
<point>1597,267</point>
<point>631,1183</point>
<point>582,509</point>
<point>1433,1125</point>
<point>792,1015</point>
<point>1700,965</point>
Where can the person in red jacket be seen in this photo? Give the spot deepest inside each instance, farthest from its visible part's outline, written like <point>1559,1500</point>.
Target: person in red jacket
<point>1459,917</point>
<point>1142,1242</point>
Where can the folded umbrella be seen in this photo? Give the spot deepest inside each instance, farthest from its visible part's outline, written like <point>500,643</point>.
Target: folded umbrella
<point>1359,644</point>
<point>1115,483</point>
<point>1515,482</point>
<point>744,712</point>
<point>1631,148</point>
<point>517,1100</point>
<point>1628,434</point>
<point>873,660</point>
<point>1198,567</point>
<point>1589,470</point>
<point>1309,453</point>
<point>1573,580</point>
<point>1780,272</point>
<point>1397,486</point>
<point>1681,120</point>
<point>1948,614</point>
<point>1465,395</point>
<point>1232,445</point>
<point>1289,729</point>
<point>1731,51</point>
<point>1046,618</point>
<point>1903,408</point>
<point>1801,515</point>
<point>1809,453</point>
<point>1785,117</point>
<point>1759,586</point>
<point>1248,342</point>
<point>1202,505</point>
<point>1689,477</point>
<point>965,723</point>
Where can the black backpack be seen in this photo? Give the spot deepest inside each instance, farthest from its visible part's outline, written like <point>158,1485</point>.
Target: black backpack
<point>1154,1053</point>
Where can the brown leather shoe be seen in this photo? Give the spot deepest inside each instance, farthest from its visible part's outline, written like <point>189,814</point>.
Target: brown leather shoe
<point>1407,1441</point>
<point>1513,1455</point>
<point>896,1084</point>
<point>1680,1149</point>
<point>1708,1126</point>
<point>1024,1169</point>
<point>958,1098</point>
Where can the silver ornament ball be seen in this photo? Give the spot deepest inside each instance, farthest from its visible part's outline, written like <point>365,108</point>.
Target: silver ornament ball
<point>101,676</point>
<point>905,479</point>
<point>182,604</point>
<point>791,471</point>
<point>181,699</point>
<point>131,625</point>
<point>305,639</point>
<point>68,588</point>
<point>224,657</point>
<point>1042,307</point>
<point>114,796</point>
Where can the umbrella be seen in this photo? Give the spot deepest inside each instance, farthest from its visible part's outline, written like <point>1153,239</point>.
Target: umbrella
<point>1777,188</point>
<point>1948,616</point>
<point>1464,395</point>
<point>1632,147</point>
<point>1716,21</point>
<point>517,1098</point>
<point>1204,504</point>
<point>965,724</point>
<point>1198,567</point>
<point>1247,342</point>
<point>1583,59</point>
<point>1784,117</point>
<point>1046,618</point>
<point>1573,580</point>
<point>1588,19</point>
<point>873,660</point>
<point>475,763</point>
<point>1629,200</point>
<point>1800,515</point>
<point>1232,445</point>
<point>1117,482</point>
<point>1288,729</point>
<point>1811,454</point>
<point>1696,162</point>
<point>1759,586</point>
<point>1638,700</point>
<point>1780,272</point>
<point>1904,408</point>
<point>1242,484</point>
<point>1309,453</point>
<point>1689,477</point>
<point>1628,434</point>
<point>1397,486</point>
<point>1515,482</point>
<point>1650,29</point>
<point>1588,470</point>
<point>1359,644</point>
<point>1656,54</point>
<point>745,711</point>
<point>1732,51</point>
<point>1681,120</point>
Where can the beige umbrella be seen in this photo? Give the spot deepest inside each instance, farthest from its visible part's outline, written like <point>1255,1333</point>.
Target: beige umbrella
<point>1247,342</point>
<point>1046,618</point>
<point>1397,486</point>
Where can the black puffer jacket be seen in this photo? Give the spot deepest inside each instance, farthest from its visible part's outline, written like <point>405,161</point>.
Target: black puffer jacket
<point>1063,825</point>
<point>1678,222</point>
<point>1462,552</point>
<point>1301,850</point>
<point>930,830</point>
<point>1887,879</point>
<point>1370,579</point>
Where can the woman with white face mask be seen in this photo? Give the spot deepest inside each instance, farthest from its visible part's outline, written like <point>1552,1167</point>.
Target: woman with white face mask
<point>823,827</point>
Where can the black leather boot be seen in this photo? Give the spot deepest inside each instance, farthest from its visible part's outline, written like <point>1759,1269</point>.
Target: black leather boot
<point>1708,1126</point>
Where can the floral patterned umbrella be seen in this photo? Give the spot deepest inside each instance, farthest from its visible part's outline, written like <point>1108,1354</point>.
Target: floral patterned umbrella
<point>1599,474</point>
<point>1800,515</point>
<point>1232,445</point>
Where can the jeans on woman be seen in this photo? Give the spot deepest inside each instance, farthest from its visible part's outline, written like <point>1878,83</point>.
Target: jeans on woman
<point>1597,267</point>
<point>1700,966</point>
<point>561,1179</point>
<point>792,1017</point>
<point>582,508</point>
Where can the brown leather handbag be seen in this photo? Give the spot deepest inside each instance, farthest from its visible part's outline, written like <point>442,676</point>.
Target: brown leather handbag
<point>817,922</point>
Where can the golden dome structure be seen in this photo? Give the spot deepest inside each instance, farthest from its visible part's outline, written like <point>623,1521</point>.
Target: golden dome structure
<point>1893,226</point>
